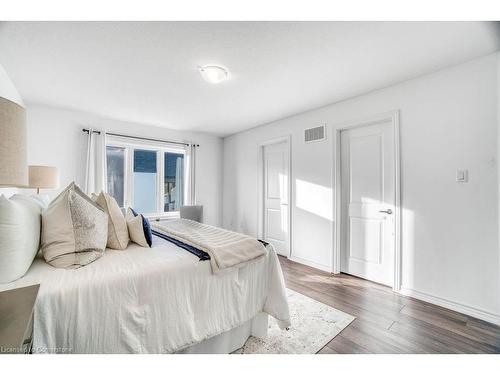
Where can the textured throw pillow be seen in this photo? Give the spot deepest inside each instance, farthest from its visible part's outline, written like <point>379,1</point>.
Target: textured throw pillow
<point>74,230</point>
<point>117,225</point>
<point>139,229</point>
<point>19,235</point>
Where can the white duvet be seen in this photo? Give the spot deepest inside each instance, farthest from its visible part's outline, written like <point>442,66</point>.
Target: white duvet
<point>141,300</point>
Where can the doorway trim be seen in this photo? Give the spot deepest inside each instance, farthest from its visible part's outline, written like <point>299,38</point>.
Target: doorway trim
<point>393,117</point>
<point>260,225</point>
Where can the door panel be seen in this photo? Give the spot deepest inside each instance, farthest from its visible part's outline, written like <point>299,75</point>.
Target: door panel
<point>368,187</point>
<point>274,229</point>
<point>276,197</point>
<point>365,245</point>
<point>274,166</point>
<point>365,168</point>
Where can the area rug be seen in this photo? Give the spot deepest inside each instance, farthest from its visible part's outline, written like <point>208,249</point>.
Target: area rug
<point>314,324</point>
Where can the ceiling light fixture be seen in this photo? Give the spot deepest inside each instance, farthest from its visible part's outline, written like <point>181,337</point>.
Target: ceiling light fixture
<point>213,73</point>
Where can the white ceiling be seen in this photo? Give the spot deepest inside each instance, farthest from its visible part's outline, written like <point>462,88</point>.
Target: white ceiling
<point>146,72</point>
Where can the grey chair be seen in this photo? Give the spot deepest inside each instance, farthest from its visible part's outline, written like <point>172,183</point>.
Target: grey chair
<point>194,213</point>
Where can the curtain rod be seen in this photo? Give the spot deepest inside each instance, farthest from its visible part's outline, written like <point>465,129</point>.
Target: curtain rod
<point>141,138</point>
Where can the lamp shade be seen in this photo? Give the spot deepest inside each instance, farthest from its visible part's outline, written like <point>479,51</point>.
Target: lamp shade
<point>13,153</point>
<point>42,177</point>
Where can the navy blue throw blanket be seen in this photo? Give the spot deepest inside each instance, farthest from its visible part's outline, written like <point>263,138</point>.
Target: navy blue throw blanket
<point>193,250</point>
<point>263,242</point>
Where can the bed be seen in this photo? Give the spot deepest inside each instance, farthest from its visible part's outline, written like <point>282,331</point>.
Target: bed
<point>157,300</point>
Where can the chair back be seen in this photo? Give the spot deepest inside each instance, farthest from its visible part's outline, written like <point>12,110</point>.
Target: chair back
<point>194,213</point>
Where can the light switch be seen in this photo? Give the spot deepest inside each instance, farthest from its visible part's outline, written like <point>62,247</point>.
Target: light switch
<point>462,175</point>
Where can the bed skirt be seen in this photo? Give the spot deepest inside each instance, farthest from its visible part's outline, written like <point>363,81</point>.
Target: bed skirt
<point>228,342</point>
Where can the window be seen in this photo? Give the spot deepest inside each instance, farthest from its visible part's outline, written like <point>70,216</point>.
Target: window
<point>146,177</point>
<point>115,160</point>
<point>173,182</point>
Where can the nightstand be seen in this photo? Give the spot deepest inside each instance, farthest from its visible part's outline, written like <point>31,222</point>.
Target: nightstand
<point>16,319</point>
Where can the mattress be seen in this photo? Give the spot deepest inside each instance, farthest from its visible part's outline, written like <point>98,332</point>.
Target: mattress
<point>141,300</point>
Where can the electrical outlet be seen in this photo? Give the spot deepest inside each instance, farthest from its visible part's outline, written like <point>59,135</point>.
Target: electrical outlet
<point>462,175</point>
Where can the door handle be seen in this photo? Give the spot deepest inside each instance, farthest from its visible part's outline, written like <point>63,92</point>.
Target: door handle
<point>388,211</point>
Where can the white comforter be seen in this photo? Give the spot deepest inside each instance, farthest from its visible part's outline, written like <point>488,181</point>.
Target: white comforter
<point>140,300</point>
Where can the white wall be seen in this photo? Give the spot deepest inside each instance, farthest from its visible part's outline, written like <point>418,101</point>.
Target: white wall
<point>55,138</point>
<point>7,88</point>
<point>450,230</point>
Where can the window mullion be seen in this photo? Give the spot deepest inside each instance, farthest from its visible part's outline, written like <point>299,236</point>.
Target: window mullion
<point>161,187</point>
<point>130,176</point>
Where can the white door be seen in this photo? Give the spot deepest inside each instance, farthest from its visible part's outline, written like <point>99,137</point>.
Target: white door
<point>368,202</point>
<point>276,197</point>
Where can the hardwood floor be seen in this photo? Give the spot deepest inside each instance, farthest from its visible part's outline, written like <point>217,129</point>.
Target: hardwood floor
<point>387,322</point>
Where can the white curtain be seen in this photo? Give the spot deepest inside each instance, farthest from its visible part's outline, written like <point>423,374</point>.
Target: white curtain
<point>190,189</point>
<point>179,178</point>
<point>95,173</point>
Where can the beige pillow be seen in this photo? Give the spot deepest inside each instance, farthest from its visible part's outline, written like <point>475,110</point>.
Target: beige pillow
<point>74,230</point>
<point>138,227</point>
<point>117,226</point>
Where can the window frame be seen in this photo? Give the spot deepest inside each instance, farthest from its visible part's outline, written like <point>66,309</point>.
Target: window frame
<point>128,188</point>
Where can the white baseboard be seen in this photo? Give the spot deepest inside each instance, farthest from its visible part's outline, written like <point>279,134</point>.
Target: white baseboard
<point>455,306</point>
<point>309,263</point>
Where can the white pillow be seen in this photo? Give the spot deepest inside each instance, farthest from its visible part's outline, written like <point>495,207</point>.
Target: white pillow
<point>19,235</point>
<point>74,230</point>
<point>139,229</point>
<point>42,199</point>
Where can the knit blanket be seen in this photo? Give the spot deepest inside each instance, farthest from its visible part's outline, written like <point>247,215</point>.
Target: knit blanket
<point>226,248</point>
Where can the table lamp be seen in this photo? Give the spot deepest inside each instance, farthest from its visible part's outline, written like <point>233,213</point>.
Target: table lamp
<point>43,177</point>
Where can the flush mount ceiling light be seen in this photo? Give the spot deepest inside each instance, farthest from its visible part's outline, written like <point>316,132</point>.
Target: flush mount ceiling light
<point>213,73</point>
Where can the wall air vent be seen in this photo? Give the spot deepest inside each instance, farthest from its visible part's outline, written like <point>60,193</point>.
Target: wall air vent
<point>315,134</point>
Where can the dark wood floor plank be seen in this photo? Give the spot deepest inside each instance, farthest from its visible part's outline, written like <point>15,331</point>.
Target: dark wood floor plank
<point>359,313</point>
<point>342,345</point>
<point>404,343</point>
<point>357,304</point>
<point>344,295</point>
<point>370,343</point>
<point>387,322</point>
<point>484,327</point>
<point>457,327</point>
<point>455,342</point>
<point>427,340</point>
<point>436,310</point>
<point>327,350</point>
